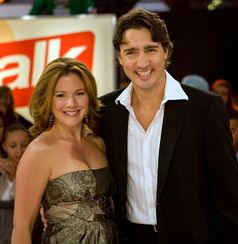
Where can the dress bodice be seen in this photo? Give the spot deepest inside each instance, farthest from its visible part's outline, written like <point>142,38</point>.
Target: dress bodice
<point>76,199</point>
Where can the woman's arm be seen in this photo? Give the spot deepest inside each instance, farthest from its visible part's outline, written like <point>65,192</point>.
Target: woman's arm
<point>31,179</point>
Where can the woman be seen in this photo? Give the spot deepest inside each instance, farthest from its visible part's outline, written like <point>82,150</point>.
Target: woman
<point>2,126</point>
<point>7,107</point>
<point>14,142</point>
<point>65,165</point>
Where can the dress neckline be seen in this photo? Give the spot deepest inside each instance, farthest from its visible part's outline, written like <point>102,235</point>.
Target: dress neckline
<point>78,171</point>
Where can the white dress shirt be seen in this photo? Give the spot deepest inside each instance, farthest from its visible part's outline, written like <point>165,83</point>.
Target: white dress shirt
<point>143,155</point>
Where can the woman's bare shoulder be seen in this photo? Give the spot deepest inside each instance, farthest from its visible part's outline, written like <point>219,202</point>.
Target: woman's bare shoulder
<point>98,141</point>
<point>38,148</point>
<point>38,145</point>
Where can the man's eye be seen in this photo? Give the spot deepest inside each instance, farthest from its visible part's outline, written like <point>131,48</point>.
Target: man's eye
<point>152,50</point>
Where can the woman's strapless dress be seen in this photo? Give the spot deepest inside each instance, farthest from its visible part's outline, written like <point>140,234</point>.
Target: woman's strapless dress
<point>79,208</point>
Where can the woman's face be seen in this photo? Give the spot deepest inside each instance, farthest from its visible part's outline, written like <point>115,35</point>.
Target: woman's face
<point>15,144</point>
<point>70,102</point>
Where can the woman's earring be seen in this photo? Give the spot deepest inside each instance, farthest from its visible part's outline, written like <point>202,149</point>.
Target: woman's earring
<point>86,119</point>
<point>50,120</point>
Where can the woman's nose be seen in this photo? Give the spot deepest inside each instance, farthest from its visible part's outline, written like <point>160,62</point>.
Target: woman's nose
<point>71,101</point>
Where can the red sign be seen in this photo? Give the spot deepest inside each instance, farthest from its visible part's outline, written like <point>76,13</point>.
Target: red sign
<point>22,62</point>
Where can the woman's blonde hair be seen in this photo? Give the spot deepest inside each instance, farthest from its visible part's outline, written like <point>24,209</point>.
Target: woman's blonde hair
<point>42,97</point>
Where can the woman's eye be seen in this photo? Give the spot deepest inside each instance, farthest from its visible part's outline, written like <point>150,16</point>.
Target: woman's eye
<point>130,53</point>
<point>59,95</point>
<point>81,93</point>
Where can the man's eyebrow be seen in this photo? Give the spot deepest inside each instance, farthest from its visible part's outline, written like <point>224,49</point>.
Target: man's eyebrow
<point>152,46</point>
<point>129,49</point>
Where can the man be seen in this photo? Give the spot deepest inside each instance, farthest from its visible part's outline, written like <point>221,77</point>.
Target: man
<point>169,146</point>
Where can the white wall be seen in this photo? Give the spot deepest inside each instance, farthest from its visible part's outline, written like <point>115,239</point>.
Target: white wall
<point>12,10</point>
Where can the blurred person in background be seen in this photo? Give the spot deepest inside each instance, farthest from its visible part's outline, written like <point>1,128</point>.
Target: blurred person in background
<point>196,81</point>
<point>223,88</point>
<point>235,100</point>
<point>14,142</point>
<point>233,117</point>
<point>2,126</point>
<point>62,7</point>
<point>7,107</point>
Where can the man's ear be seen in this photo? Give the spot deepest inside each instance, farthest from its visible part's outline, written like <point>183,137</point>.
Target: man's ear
<point>166,53</point>
<point>118,58</point>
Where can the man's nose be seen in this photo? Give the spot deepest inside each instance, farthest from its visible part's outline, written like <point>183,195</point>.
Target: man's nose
<point>142,60</point>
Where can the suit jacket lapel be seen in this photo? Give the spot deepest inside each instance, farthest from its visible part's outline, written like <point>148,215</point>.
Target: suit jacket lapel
<point>121,120</point>
<point>174,116</point>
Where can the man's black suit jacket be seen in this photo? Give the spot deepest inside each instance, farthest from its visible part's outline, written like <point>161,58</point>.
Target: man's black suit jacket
<point>197,192</point>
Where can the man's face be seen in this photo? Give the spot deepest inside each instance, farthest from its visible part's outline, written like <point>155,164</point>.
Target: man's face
<point>143,60</point>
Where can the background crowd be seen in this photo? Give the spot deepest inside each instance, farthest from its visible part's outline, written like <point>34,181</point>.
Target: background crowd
<point>14,139</point>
